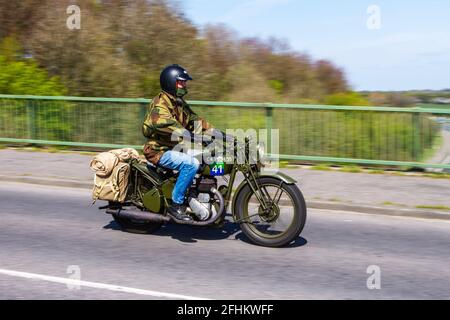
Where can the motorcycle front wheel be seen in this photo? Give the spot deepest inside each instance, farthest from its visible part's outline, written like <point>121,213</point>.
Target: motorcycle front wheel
<point>274,216</point>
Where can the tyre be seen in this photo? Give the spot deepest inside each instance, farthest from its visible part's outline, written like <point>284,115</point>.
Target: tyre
<point>279,221</point>
<point>135,226</point>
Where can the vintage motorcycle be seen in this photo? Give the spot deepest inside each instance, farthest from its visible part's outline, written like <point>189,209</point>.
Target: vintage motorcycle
<point>270,209</point>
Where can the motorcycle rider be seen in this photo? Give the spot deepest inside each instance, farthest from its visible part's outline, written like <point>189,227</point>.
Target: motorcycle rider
<point>169,115</point>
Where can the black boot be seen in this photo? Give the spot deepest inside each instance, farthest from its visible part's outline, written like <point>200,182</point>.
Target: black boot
<point>178,211</point>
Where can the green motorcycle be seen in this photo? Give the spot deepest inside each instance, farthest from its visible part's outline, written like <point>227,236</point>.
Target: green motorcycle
<point>270,209</point>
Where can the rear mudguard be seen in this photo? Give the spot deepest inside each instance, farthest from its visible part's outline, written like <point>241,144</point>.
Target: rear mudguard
<point>279,175</point>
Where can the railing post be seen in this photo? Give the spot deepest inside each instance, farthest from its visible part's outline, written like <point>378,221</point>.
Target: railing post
<point>416,136</point>
<point>31,120</point>
<point>269,127</point>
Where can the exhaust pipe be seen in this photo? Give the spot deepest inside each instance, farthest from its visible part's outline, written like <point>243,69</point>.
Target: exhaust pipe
<point>158,218</point>
<point>139,215</point>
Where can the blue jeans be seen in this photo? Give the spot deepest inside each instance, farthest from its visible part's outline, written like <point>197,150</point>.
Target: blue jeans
<point>186,165</point>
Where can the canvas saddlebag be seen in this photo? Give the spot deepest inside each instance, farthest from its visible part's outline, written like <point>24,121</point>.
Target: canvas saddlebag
<point>113,187</point>
<point>112,170</point>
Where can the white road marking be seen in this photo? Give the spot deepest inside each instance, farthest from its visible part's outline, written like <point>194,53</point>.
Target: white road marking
<point>375,215</point>
<point>97,285</point>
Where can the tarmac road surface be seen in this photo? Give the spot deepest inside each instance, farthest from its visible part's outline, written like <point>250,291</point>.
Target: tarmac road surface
<point>55,232</point>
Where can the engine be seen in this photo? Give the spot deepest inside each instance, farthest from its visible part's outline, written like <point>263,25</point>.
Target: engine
<point>201,198</point>
<point>205,185</point>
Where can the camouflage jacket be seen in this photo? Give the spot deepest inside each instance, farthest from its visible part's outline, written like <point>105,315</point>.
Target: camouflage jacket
<point>166,116</point>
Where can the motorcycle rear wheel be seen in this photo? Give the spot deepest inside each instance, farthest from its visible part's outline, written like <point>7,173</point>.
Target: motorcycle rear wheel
<point>139,227</point>
<point>261,226</point>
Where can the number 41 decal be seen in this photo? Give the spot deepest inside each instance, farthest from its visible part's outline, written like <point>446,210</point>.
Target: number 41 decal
<point>218,170</point>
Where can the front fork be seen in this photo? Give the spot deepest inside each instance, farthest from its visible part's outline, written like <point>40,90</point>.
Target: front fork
<point>230,188</point>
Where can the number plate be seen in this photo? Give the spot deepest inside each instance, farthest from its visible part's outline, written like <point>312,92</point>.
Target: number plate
<point>217,169</point>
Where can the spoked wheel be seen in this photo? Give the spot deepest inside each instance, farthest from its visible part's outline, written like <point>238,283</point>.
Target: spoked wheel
<point>274,216</point>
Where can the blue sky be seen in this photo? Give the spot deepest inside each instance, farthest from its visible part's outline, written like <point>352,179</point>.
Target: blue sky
<point>410,51</point>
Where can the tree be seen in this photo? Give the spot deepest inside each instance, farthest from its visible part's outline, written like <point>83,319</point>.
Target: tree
<point>123,45</point>
<point>26,78</point>
<point>332,79</point>
<point>19,17</point>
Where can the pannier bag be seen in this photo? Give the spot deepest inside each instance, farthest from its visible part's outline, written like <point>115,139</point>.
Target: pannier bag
<point>114,187</point>
<point>126,154</point>
<point>104,163</point>
<point>111,174</point>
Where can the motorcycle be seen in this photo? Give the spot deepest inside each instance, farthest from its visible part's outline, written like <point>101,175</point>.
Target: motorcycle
<point>269,208</point>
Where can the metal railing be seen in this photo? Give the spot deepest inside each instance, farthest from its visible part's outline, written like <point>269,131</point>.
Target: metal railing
<point>410,137</point>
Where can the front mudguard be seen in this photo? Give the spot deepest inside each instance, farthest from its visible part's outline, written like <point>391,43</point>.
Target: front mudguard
<point>278,175</point>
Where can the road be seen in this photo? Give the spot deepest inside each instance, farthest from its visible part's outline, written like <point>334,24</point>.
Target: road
<point>332,188</point>
<point>44,230</point>
<point>442,156</point>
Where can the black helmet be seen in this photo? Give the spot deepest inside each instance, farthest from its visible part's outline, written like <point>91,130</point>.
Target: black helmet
<point>169,77</point>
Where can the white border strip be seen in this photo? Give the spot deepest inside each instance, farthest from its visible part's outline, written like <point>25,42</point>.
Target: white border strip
<point>97,285</point>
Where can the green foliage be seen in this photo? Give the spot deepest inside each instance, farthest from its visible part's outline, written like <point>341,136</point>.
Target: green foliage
<point>321,167</point>
<point>277,85</point>
<point>49,120</point>
<point>355,134</point>
<point>438,175</point>
<point>351,169</point>
<point>346,99</point>
<point>26,78</point>
<point>283,164</point>
<point>10,48</point>
<point>434,207</point>
<point>389,203</point>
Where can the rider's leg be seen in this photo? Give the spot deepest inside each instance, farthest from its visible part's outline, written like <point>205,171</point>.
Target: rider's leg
<point>187,166</point>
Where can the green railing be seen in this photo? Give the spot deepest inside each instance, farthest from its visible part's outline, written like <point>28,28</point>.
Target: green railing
<point>410,137</point>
